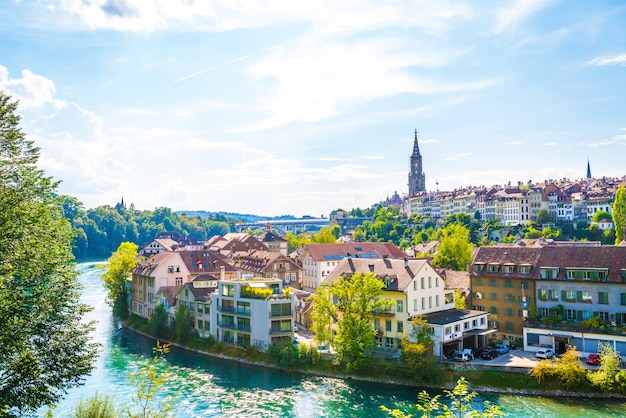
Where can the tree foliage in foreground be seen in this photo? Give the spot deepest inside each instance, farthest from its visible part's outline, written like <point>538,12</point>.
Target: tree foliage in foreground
<point>45,347</point>
<point>460,399</point>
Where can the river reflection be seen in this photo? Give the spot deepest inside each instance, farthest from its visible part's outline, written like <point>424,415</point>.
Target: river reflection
<point>210,387</point>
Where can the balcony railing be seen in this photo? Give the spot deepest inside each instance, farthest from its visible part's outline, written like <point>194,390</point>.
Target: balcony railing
<point>576,326</point>
<point>234,326</point>
<point>280,331</point>
<point>227,309</point>
<point>286,314</point>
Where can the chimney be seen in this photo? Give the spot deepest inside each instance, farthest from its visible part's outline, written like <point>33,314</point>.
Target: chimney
<point>222,272</point>
<point>406,262</point>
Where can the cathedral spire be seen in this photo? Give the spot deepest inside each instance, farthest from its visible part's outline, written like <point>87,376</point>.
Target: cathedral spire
<point>588,169</point>
<point>416,147</point>
<point>417,178</point>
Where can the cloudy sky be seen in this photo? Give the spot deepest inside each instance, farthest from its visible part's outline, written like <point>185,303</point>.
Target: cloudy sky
<point>289,107</point>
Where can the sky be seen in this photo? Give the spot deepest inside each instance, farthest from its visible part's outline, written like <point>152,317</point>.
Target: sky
<point>289,107</point>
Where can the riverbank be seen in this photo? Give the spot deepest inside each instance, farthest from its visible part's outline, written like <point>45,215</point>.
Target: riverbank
<point>517,383</point>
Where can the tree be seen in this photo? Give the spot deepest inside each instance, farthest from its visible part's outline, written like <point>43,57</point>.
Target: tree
<point>567,370</point>
<point>121,263</point>
<point>158,323</point>
<point>97,406</point>
<point>45,347</point>
<point>459,300</point>
<point>455,249</point>
<point>619,213</point>
<point>543,216</point>
<point>605,377</point>
<point>600,215</point>
<point>417,351</point>
<point>183,322</point>
<point>357,301</point>
<point>461,405</point>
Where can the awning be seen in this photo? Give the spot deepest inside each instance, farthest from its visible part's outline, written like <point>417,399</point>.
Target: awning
<point>257,285</point>
<point>480,332</point>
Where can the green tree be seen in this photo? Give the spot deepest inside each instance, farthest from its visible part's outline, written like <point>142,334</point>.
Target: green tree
<point>45,347</point>
<point>417,351</point>
<point>455,249</point>
<point>357,301</point>
<point>619,213</point>
<point>461,405</point>
<point>600,215</point>
<point>121,263</point>
<point>459,300</point>
<point>183,323</point>
<point>158,323</point>
<point>543,216</point>
<point>323,314</point>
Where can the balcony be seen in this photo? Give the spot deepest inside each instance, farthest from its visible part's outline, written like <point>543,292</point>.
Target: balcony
<point>227,309</point>
<point>288,314</point>
<point>576,326</point>
<point>233,326</point>
<point>279,332</point>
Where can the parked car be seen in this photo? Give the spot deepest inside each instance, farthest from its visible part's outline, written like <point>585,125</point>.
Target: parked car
<point>501,348</point>
<point>544,353</point>
<point>593,359</point>
<point>465,355</point>
<point>490,354</point>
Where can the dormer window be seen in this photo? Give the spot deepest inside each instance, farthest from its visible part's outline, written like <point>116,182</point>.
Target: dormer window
<point>523,269</point>
<point>493,267</point>
<point>478,267</point>
<point>549,273</point>
<point>508,268</point>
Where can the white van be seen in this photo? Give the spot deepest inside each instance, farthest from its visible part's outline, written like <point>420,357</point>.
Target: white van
<point>465,355</point>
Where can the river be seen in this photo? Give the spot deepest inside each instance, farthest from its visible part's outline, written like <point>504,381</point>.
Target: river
<point>209,387</point>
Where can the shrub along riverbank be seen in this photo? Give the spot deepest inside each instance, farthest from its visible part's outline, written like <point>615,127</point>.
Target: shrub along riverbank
<point>300,358</point>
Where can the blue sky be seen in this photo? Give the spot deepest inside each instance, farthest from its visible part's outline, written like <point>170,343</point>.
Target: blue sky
<point>287,107</point>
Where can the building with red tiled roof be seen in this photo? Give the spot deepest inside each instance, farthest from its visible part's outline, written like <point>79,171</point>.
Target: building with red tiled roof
<point>563,283</point>
<point>267,264</point>
<point>318,260</point>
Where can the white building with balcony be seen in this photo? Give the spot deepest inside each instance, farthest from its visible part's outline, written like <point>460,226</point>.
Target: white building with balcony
<point>252,312</point>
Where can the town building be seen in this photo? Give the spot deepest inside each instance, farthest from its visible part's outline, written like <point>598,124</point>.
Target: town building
<point>417,290</point>
<point>265,264</point>
<point>318,260</point>
<point>252,312</point>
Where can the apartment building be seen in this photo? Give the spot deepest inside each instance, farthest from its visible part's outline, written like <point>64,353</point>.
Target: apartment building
<point>252,312</point>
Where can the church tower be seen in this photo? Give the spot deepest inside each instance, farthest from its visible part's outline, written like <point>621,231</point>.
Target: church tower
<point>588,169</point>
<point>417,178</point>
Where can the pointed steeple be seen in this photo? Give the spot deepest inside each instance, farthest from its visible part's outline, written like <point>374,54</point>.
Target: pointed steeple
<point>416,148</point>
<point>588,169</point>
<point>417,179</point>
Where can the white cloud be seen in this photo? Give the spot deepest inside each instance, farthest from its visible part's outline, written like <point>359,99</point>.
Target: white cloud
<point>617,139</point>
<point>614,60</point>
<point>509,16</point>
<point>551,144</point>
<point>32,90</point>
<point>314,80</point>
<point>514,143</point>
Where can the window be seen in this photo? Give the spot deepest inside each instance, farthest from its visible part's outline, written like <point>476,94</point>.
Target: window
<point>422,283</point>
<point>170,269</point>
<point>509,297</point>
<point>493,296</point>
<point>388,325</point>
<point>228,290</point>
<point>603,298</point>
<point>430,302</point>
<point>376,323</point>
<point>478,267</point>
<point>449,298</point>
<point>523,269</point>
<point>423,303</point>
<point>399,306</point>
<point>594,275</point>
<point>508,268</point>
<point>478,295</point>
<point>415,304</point>
<point>585,297</point>
<point>493,310</point>
<point>549,272</point>
<point>622,298</point>
<point>436,281</point>
<point>508,326</point>
<point>568,295</point>
<point>414,285</point>
<point>493,283</point>
<point>493,267</point>
<point>400,326</point>
<point>437,301</point>
<point>457,327</point>
<point>508,284</point>
<point>478,282</point>
<point>430,282</point>
<point>448,330</point>
<point>508,312</point>
<point>179,281</point>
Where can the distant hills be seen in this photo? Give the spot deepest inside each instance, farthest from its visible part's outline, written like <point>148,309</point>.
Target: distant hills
<point>243,217</point>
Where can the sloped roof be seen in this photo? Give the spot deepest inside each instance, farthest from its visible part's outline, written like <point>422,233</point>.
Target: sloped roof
<point>269,236</point>
<point>369,250</point>
<point>146,267</point>
<point>401,272</point>
<point>169,292</point>
<point>451,315</point>
<point>205,261</point>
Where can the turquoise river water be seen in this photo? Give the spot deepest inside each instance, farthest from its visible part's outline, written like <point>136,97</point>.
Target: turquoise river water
<point>209,387</point>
